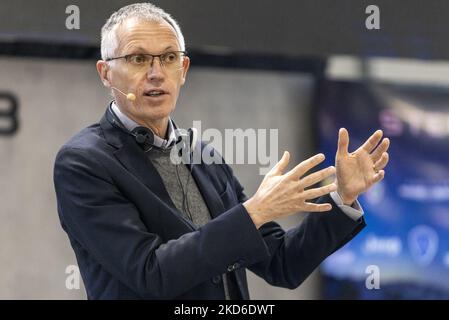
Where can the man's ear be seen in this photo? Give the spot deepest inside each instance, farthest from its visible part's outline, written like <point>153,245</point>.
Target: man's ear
<point>103,72</point>
<point>186,65</point>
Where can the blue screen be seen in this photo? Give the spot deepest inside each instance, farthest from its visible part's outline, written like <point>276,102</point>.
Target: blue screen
<point>403,253</point>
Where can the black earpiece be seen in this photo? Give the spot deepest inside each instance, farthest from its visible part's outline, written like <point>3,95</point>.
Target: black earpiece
<point>144,137</point>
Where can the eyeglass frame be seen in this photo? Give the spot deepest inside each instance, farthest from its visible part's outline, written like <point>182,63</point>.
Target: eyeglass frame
<point>184,53</point>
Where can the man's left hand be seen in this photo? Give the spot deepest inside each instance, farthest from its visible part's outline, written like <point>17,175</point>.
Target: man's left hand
<point>360,170</point>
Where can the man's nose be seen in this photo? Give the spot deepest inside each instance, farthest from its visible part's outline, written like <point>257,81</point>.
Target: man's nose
<point>155,70</point>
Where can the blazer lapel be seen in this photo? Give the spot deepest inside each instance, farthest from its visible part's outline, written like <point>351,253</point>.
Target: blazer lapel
<point>132,157</point>
<point>207,189</point>
<point>137,162</point>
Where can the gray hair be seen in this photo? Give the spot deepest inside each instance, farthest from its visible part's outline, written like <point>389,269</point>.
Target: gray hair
<point>144,11</point>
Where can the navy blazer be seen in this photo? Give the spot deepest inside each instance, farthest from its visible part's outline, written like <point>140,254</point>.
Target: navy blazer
<point>131,242</point>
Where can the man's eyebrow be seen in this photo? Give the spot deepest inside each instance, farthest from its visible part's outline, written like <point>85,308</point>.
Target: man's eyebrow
<point>142,50</point>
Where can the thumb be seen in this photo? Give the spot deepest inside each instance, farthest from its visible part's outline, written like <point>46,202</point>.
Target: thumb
<point>343,142</point>
<point>279,168</point>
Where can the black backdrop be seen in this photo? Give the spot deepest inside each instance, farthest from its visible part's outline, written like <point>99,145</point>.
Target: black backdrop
<point>409,28</point>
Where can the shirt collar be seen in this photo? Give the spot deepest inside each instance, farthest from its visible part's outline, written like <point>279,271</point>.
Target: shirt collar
<point>130,125</point>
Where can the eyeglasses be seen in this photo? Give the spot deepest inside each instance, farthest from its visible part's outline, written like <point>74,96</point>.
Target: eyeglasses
<point>170,61</point>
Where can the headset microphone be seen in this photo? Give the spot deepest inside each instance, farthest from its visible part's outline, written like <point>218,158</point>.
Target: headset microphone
<point>193,134</point>
<point>129,96</point>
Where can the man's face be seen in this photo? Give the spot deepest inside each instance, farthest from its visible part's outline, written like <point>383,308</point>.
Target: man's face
<point>144,37</point>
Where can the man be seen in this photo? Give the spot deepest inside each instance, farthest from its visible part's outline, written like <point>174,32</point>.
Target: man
<point>143,227</point>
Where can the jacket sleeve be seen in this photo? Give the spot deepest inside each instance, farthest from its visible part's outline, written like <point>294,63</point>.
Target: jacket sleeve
<point>107,225</point>
<point>295,253</point>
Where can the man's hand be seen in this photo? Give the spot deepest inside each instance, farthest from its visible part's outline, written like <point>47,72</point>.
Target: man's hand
<point>280,195</point>
<point>360,170</point>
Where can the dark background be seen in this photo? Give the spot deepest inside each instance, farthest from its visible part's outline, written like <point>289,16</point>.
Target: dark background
<point>412,28</point>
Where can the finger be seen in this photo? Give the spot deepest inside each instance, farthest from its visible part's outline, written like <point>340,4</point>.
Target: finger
<point>315,177</point>
<point>381,148</point>
<point>378,176</point>
<point>372,141</point>
<point>318,192</point>
<point>313,207</point>
<point>279,167</point>
<point>305,166</point>
<point>343,142</point>
<point>379,165</point>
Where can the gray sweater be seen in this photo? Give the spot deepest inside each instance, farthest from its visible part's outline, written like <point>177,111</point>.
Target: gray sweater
<point>184,192</point>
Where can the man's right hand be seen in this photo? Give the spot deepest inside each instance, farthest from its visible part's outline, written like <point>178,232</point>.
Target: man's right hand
<point>281,195</point>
